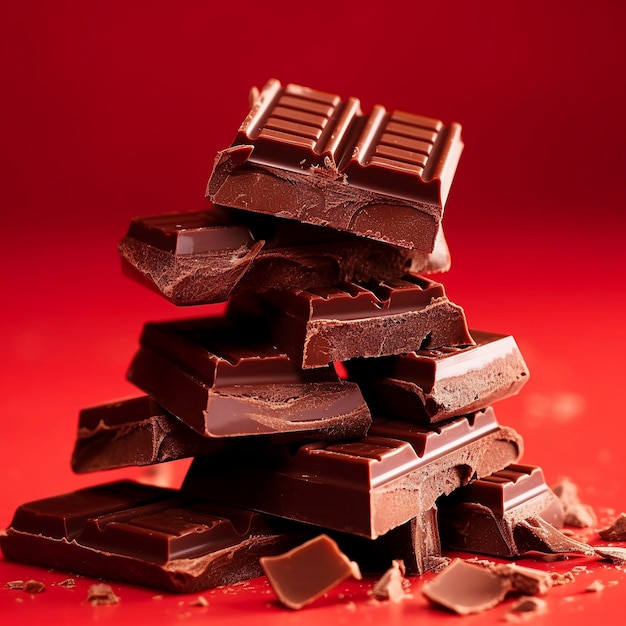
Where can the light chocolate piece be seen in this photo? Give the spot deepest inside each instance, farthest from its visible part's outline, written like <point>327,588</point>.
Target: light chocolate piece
<point>310,156</point>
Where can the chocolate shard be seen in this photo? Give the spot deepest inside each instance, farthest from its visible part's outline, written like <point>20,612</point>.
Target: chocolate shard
<point>534,534</point>
<point>368,486</point>
<point>465,588</point>
<point>319,326</point>
<point>134,431</point>
<point>228,380</point>
<point>307,571</point>
<point>145,535</point>
<point>310,156</point>
<point>203,257</point>
<point>391,585</point>
<point>616,531</point>
<point>483,516</point>
<point>614,554</point>
<point>437,383</point>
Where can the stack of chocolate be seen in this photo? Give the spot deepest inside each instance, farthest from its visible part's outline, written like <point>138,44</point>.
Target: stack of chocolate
<point>340,392</point>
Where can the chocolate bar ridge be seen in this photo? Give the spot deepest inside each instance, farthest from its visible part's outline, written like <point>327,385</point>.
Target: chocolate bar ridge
<point>308,155</point>
<point>368,486</point>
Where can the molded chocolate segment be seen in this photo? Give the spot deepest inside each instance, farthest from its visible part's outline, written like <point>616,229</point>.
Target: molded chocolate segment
<point>316,327</point>
<point>434,384</point>
<point>227,380</point>
<point>145,536</point>
<point>311,156</point>
<point>367,486</point>
<point>306,572</point>
<point>483,516</point>
<point>203,257</point>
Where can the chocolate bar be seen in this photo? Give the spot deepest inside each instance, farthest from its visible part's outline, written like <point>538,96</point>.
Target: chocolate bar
<point>435,384</point>
<point>316,327</point>
<point>366,486</point>
<point>204,257</point>
<point>227,380</point>
<point>145,535</point>
<point>482,516</point>
<point>310,156</point>
<point>134,431</point>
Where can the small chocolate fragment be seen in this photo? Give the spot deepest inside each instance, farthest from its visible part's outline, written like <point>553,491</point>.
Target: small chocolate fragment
<point>576,513</point>
<point>102,594</point>
<point>134,431</point>
<point>434,384</point>
<point>536,535</point>
<point>204,257</point>
<point>527,580</point>
<point>228,380</point>
<point>145,535</point>
<point>465,588</point>
<point>368,486</point>
<point>483,516</point>
<point>529,606</point>
<point>318,326</point>
<point>616,531</point>
<point>614,554</point>
<point>307,571</point>
<point>307,155</point>
<point>392,584</point>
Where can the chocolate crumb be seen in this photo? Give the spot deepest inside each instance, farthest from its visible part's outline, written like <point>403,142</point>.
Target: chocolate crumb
<point>528,606</point>
<point>68,583</point>
<point>392,584</point>
<point>14,584</point>
<point>199,601</point>
<point>561,579</point>
<point>34,586</point>
<point>617,530</point>
<point>101,594</point>
<point>595,586</point>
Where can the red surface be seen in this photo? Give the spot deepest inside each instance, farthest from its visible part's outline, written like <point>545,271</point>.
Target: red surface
<point>115,109</point>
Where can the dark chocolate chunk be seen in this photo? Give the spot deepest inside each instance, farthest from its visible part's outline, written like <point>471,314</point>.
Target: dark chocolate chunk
<point>313,157</point>
<point>367,486</point>
<point>226,380</point>
<point>145,535</point>
<point>616,531</point>
<point>318,326</point>
<point>134,431</point>
<point>204,257</point>
<point>434,384</point>
<point>307,571</point>
<point>483,516</point>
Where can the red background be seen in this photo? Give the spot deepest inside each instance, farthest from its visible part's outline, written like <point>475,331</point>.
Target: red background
<point>111,109</point>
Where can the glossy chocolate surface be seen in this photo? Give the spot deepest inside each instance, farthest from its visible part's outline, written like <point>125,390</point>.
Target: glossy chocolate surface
<point>368,486</point>
<point>225,379</point>
<point>203,257</point>
<point>435,384</point>
<point>483,516</point>
<point>311,156</point>
<point>316,327</point>
<point>146,536</point>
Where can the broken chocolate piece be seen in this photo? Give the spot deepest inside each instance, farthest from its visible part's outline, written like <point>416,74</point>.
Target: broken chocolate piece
<point>536,535</point>
<point>228,380</point>
<point>309,156</point>
<point>307,571</point>
<point>434,384</point>
<point>134,431</point>
<point>368,486</point>
<point>465,588</point>
<point>527,580</point>
<point>576,513</point>
<point>102,594</point>
<point>204,257</point>
<point>145,535</point>
<point>614,554</point>
<point>318,326</point>
<point>616,531</point>
<point>392,584</point>
<point>483,516</point>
